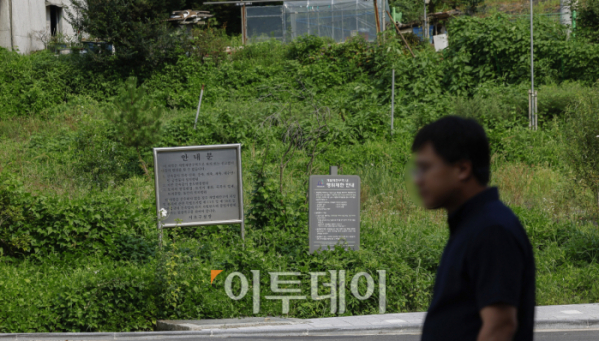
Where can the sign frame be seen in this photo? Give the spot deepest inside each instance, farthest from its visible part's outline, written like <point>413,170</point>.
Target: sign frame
<point>237,148</point>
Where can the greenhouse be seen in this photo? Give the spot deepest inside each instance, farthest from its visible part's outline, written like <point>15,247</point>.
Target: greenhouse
<point>337,19</point>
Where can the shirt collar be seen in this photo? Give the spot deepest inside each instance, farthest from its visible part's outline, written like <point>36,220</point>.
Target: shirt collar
<point>470,206</point>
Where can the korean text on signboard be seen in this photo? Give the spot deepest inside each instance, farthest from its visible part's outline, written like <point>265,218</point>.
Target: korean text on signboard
<point>199,185</point>
<point>334,211</point>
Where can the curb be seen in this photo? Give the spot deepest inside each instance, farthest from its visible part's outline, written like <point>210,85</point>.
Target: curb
<point>183,325</point>
<point>300,329</point>
<point>571,324</point>
<point>405,328</point>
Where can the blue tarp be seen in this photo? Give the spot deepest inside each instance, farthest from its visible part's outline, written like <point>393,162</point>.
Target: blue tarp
<point>418,31</point>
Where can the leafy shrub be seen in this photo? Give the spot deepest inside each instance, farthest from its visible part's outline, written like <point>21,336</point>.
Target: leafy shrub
<point>581,131</point>
<point>304,47</point>
<point>136,28</point>
<point>89,262</point>
<point>270,52</point>
<point>50,224</point>
<point>134,248</point>
<point>99,160</point>
<point>135,119</point>
<point>225,125</point>
<point>588,19</point>
<point>93,155</point>
<point>12,212</point>
<point>583,244</point>
<point>28,84</point>
<point>498,48</point>
<point>95,297</point>
<point>209,44</point>
<point>113,299</point>
<point>271,210</point>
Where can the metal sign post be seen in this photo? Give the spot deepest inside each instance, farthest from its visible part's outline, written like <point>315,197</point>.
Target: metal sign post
<point>199,105</point>
<point>532,110</point>
<point>425,28</point>
<point>532,97</point>
<point>199,185</point>
<point>392,99</point>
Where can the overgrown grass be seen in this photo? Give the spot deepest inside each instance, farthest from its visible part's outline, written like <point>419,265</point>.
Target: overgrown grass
<point>491,7</point>
<point>79,240</point>
<point>397,234</point>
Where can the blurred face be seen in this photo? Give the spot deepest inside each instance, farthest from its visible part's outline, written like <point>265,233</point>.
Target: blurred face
<point>436,180</point>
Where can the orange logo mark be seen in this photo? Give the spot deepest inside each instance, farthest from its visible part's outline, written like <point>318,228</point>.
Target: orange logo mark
<point>213,274</point>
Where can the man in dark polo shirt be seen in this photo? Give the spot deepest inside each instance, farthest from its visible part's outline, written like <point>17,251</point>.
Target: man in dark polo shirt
<point>485,284</point>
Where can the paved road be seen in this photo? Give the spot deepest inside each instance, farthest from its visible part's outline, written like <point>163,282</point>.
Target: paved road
<point>591,335</point>
<point>565,335</point>
<point>568,335</point>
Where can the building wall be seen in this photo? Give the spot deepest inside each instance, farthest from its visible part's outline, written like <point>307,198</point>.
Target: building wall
<point>5,40</point>
<point>30,18</point>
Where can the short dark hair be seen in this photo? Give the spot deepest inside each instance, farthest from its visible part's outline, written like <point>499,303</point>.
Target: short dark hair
<point>455,139</point>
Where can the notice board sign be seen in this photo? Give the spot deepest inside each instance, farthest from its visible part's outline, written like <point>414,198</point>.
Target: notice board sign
<point>199,185</point>
<point>334,211</point>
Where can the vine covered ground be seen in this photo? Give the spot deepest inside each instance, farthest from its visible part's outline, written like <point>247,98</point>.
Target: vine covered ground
<point>77,213</point>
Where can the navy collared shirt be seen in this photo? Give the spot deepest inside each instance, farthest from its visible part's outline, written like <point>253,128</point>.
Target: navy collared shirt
<point>487,260</point>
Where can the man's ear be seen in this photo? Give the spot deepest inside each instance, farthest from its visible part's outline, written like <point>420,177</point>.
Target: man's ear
<point>464,168</point>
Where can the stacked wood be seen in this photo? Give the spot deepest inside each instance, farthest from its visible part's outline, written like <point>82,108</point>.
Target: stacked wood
<point>189,17</point>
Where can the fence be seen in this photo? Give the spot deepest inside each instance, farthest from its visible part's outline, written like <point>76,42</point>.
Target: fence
<point>337,19</point>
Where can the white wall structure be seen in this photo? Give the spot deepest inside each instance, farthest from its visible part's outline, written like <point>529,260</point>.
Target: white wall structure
<point>5,18</point>
<point>23,22</point>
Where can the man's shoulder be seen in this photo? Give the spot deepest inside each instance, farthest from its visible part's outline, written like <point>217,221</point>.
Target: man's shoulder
<point>496,213</point>
<point>495,220</point>
<point>491,216</point>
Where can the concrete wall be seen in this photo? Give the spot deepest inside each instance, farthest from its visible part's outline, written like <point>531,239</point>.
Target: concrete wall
<point>5,40</point>
<point>29,18</point>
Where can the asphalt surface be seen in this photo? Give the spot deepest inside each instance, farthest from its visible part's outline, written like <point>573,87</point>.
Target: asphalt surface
<point>565,335</point>
<point>558,335</point>
<point>555,335</point>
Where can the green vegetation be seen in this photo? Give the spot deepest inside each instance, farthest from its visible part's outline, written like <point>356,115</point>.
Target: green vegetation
<point>77,215</point>
<point>136,121</point>
<point>136,28</point>
<point>588,22</point>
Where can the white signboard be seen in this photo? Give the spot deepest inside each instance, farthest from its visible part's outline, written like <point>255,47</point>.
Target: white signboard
<point>440,41</point>
<point>199,185</point>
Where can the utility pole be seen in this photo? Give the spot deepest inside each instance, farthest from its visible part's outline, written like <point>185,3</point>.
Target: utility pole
<point>424,29</point>
<point>425,33</point>
<point>243,27</point>
<point>12,33</point>
<point>533,95</point>
<point>392,99</point>
<point>376,18</point>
